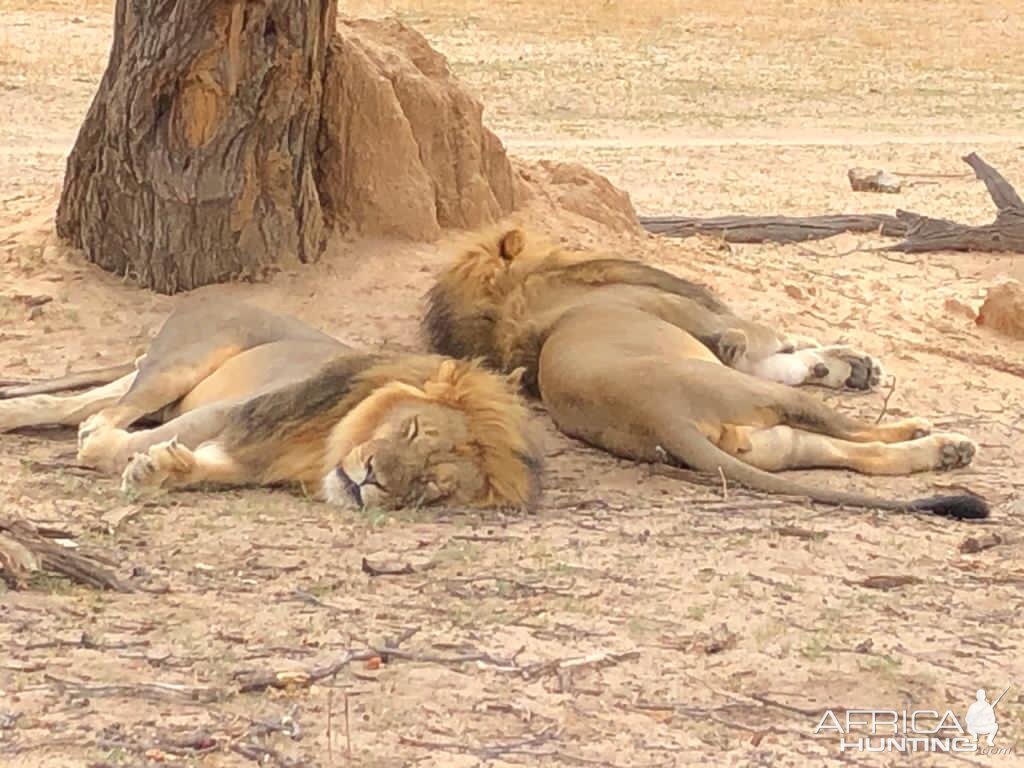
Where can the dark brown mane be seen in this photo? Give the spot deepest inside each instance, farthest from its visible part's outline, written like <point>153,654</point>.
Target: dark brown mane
<point>304,405</point>
<point>298,418</point>
<point>460,335</point>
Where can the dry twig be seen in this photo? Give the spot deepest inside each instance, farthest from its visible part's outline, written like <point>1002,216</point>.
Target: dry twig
<point>26,548</point>
<point>888,395</point>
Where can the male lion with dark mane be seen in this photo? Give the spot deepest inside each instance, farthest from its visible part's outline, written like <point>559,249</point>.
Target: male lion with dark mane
<point>246,397</point>
<point>652,367</point>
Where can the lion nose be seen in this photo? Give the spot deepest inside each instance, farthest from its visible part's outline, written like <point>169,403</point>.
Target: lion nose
<point>354,490</point>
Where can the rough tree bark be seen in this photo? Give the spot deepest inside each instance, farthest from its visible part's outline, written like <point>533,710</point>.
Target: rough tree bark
<point>195,163</point>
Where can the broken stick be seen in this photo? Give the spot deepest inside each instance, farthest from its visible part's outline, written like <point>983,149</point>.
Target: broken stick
<point>26,549</point>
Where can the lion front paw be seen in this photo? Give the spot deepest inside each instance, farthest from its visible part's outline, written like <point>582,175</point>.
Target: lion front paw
<point>100,444</point>
<point>163,465</point>
<point>842,368</point>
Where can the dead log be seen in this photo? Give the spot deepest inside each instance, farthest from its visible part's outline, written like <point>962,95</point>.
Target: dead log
<point>1006,233</point>
<point>26,549</point>
<point>773,229</point>
<point>920,233</point>
<point>999,189</point>
<point>196,160</point>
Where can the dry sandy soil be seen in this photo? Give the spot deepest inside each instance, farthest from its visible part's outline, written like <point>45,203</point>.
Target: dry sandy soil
<point>635,620</point>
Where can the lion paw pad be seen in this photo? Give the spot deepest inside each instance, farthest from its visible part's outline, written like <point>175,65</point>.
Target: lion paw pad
<point>865,371</point>
<point>956,452</point>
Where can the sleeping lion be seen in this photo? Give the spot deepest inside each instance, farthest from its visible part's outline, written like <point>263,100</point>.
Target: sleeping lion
<point>244,397</point>
<point>651,367</point>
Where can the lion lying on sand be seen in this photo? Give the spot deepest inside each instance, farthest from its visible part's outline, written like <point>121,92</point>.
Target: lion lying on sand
<point>246,397</point>
<point>654,368</point>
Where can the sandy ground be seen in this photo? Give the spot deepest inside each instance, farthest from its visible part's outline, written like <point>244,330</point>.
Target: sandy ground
<point>634,620</point>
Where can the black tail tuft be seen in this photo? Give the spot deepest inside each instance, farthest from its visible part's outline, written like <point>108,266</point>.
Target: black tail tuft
<point>963,507</point>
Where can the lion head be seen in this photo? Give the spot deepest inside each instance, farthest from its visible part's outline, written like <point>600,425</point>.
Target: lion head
<point>504,289</point>
<point>456,437</point>
<point>463,305</point>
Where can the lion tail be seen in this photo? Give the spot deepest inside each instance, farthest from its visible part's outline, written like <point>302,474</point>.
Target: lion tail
<point>79,380</point>
<point>696,451</point>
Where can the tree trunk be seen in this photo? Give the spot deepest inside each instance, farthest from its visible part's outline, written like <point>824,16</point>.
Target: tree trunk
<point>195,163</point>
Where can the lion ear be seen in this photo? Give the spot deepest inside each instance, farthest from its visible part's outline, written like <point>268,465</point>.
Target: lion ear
<point>515,378</point>
<point>512,244</point>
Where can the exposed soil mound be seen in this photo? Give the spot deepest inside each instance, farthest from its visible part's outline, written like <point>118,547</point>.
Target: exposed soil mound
<point>404,151</point>
<point>574,188</point>
<point>1003,309</point>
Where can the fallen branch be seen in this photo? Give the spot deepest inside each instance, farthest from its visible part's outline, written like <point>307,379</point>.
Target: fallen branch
<point>973,544</point>
<point>261,680</point>
<point>888,396</point>
<point>251,681</point>
<point>26,549</point>
<point>920,233</point>
<point>885,582</point>
<point>598,659</point>
<point>198,743</point>
<point>65,467</point>
<point>774,229</point>
<point>486,751</point>
<point>158,691</point>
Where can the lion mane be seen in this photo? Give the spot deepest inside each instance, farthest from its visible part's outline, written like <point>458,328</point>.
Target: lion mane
<point>302,417</point>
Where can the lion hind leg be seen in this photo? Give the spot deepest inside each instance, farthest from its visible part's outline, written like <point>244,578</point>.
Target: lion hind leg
<point>801,410</point>
<point>165,379</point>
<point>779,448</point>
<point>171,464</point>
<point>162,380</point>
<point>61,410</point>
